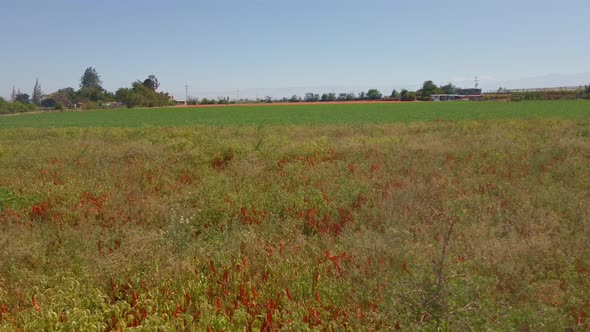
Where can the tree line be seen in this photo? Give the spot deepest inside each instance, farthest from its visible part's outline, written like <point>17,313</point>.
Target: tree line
<point>89,95</point>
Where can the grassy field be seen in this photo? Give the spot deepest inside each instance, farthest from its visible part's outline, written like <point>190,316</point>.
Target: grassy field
<point>305,114</point>
<point>352,223</point>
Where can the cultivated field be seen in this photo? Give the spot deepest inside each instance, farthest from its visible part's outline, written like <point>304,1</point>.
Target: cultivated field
<point>333,217</point>
<point>318,114</point>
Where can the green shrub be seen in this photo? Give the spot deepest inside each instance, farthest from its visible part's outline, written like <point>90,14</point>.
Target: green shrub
<point>90,106</point>
<point>15,107</point>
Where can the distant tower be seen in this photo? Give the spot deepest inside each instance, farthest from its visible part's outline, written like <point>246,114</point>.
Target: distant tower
<point>185,94</point>
<point>476,82</point>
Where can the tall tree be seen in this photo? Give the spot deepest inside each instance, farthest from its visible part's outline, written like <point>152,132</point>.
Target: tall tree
<point>394,94</point>
<point>90,79</point>
<point>37,94</point>
<point>152,82</point>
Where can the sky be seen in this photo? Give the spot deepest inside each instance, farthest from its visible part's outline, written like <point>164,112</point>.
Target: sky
<point>276,47</point>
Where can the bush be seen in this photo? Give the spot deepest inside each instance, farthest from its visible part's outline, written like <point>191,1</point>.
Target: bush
<point>407,95</point>
<point>141,95</point>
<point>374,94</point>
<point>90,106</point>
<point>15,107</point>
<point>206,101</point>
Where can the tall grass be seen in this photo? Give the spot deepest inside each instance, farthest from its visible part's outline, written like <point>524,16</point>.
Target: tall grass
<point>451,226</point>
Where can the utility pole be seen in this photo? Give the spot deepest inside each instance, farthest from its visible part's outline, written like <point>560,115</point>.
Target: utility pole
<point>186,94</point>
<point>476,82</point>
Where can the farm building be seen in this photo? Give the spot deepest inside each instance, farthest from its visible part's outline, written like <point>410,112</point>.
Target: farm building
<point>461,94</point>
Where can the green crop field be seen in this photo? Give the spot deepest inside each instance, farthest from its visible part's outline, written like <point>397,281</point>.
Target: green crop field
<point>304,114</point>
<point>297,218</point>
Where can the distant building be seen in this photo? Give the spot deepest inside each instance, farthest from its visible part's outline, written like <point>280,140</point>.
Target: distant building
<point>460,94</point>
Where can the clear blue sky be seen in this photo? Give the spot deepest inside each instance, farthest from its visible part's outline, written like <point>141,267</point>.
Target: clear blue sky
<point>220,46</point>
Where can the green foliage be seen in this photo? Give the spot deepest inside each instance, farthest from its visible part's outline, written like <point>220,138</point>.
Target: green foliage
<point>37,94</point>
<point>48,103</point>
<point>206,101</point>
<point>23,98</point>
<point>428,89</point>
<point>12,200</point>
<point>66,97</point>
<point>15,107</point>
<point>313,114</point>
<point>346,97</point>
<point>328,96</point>
<point>295,99</point>
<point>311,97</point>
<point>92,94</point>
<point>141,95</point>
<point>152,83</point>
<point>91,79</point>
<point>90,105</point>
<point>395,94</point>
<point>406,95</point>
<point>448,89</point>
<point>475,225</point>
<point>223,100</point>
<point>374,94</point>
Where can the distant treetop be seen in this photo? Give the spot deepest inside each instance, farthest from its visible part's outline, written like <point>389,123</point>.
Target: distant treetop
<point>90,79</point>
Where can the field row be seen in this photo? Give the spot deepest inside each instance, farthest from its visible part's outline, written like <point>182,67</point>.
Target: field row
<point>322,114</point>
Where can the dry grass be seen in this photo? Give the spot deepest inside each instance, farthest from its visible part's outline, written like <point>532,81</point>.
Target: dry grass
<point>456,226</point>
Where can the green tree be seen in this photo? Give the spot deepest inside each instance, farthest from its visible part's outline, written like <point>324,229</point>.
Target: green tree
<point>14,107</point>
<point>311,97</point>
<point>394,94</point>
<point>141,95</point>
<point>331,96</point>
<point>23,98</point>
<point>152,82</point>
<point>86,94</point>
<point>428,89</point>
<point>406,95</point>
<point>48,103</point>
<point>448,89</point>
<point>346,96</point>
<point>37,94</point>
<point>90,79</point>
<point>374,94</point>
<point>294,99</point>
<point>65,97</point>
